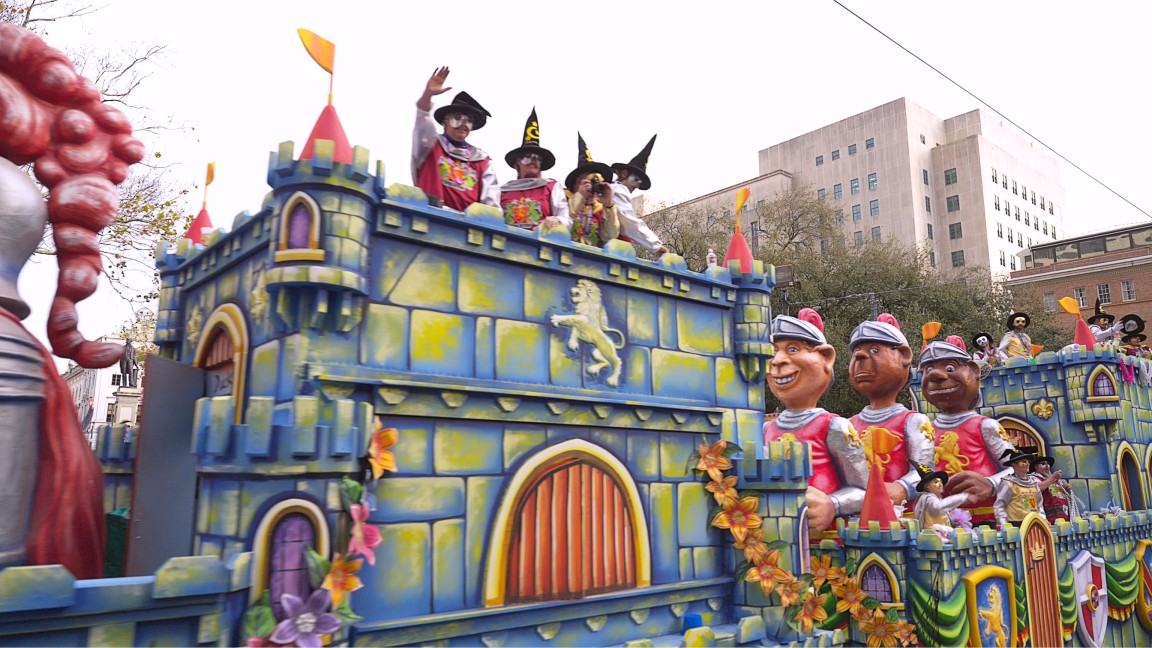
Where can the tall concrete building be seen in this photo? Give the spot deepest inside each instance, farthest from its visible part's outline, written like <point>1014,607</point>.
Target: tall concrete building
<point>969,187</point>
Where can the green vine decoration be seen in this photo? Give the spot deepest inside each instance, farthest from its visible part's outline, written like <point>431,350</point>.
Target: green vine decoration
<point>939,621</point>
<point>1068,603</point>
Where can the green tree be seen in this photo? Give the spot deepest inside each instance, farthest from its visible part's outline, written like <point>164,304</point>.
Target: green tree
<point>691,230</point>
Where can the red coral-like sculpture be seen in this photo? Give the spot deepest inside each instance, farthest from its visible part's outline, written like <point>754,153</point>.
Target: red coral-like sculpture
<point>81,149</point>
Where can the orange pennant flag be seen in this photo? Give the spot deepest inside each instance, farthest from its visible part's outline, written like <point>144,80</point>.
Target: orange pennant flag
<point>1070,306</point>
<point>741,198</point>
<point>929,331</point>
<point>211,174</point>
<point>322,51</point>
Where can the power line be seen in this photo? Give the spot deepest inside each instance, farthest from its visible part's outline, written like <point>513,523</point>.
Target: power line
<point>989,106</point>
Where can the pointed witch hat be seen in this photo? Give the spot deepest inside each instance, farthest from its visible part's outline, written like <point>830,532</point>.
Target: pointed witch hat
<point>927,474</point>
<point>464,103</point>
<point>531,144</point>
<point>1099,313</point>
<point>638,165</point>
<point>585,164</point>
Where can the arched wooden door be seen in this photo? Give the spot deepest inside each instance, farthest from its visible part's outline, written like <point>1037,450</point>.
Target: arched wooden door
<point>1039,560</point>
<point>1132,492</point>
<point>572,537</point>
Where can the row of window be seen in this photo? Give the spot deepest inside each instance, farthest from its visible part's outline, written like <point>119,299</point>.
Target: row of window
<point>1036,223</point>
<point>1018,238</point>
<point>1103,293</point>
<point>869,144</point>
<point>854,187</point>
<point>1090,247</point>
<point>858,236</point>
<point>1023,192</point>
<point>873,209</point>
<point>1011,258</point>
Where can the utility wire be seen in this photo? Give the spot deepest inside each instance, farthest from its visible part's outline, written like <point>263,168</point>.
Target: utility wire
<point>987,105</point>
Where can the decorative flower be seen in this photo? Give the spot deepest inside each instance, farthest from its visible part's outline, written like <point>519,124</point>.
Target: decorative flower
<point>790,591</point>
<point>365,537</point>
<point>837,575</point>
<point>342,578</point>
<point>304,622</point>
<point>723,490</point>
<point>713,460</point>
<point>739,517</point>
<point>767,575</point>
<point>851,598</point>
<point>880,631</point>
<point>812,612</point>
<point>378,455</point>
<point>906,633</point>
<point>1043,408</point>
<point>821,568</point>
<point>753,545</point>
<point>961,518</point>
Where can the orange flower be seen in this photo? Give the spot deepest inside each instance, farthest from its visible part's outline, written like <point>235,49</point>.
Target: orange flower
<point>739,517</point>
<point>851,598</point>
<point>342,578</point>
<point>880,631</point>
<point>837,575</point>
<point>790,591</point>
<point>378,455</point>
<point>724,490</point>
<point>906,633</point>
<point>765,575</point>
<point>753,545</point>
<point>713,459</point>
<point>821,568</point>
<point>812,612</point>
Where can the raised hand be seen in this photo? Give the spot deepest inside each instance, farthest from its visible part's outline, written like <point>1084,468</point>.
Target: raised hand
<point>434,87</point>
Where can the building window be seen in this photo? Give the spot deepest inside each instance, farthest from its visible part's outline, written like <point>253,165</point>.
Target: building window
<point>924,174</point>
<point>953,203</point>
<point>1024,192</point>
<point>1045,228</point>
<point>1014,192</point>
<point>858,238</point>
<point>874,207</point>
<point>994,179</point>
<point>1041,203</point>
<point>950,176</point>
<point>1007,209</point>
<point>1017,210</point>
<point>1013,264</point>
<point>1049,302</point>
<point>1033,197</point>
<point>872,184</point>
<point>955,231</point>
<point>1127,290</point>
<point>1053,231</point>
<point>1104,293</point>
<point>869,143</point>
<point>876,584</point>
<point>1036,224</point>
<point>1027,219</point>
<point>999,230</point>
<point>819,160</point>
<point>958,259</point>
<point>1004,181</point>
<point>823,246</point>
<point>116,378</point>
<point>1051,206</point>
<point>1003,258</point>
<point>1020,240</point>
<point>1010,239</point>
<point>875,233</point>
<point>855,186</point>
<point>851,149</point>
<point>288,571</point>
<point>932,259</point>
<point>837,191</point>
<point>1081,297</point>
<point>110,417</point>
<point>930,231</point>
<point>996,203</point>
<point>923,140</point>
<point>839,216</point>
<point>855,212</point>
<point>836,154</point>
<point>820,193</point>
<point>1029,241</point>
<point>927,204</point>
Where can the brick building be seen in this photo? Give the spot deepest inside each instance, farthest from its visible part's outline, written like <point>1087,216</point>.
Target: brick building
<point>1114,266</point>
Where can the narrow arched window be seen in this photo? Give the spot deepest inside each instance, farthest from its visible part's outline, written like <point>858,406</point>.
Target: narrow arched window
<point>299,227</point>
<point>288,568</point>
<point>875,583</point>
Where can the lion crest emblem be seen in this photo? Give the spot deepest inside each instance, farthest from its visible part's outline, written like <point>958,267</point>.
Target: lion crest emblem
<point>590,324</point>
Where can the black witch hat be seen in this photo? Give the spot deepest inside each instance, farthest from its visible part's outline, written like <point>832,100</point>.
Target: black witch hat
<point>1100,313</point>
<point>531,145</point>
<point>464,103</point>
<point>927,475</point>
<point>638,165</point>
<point>585,164</point>
<point>1012,455</point>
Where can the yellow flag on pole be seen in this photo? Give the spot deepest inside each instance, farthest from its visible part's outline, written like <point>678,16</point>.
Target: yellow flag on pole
<point>322,51</point>
<point>211,174</point>
<point>741,198</point>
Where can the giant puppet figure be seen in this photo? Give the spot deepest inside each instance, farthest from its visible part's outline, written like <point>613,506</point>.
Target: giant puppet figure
<point>880,369</point>
<point>968,445</point>
<point>798,375</point>
<point>80,148</point>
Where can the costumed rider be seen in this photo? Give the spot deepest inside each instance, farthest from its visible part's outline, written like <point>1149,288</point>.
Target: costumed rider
<point>1060,503</point>
<point>1016,342</point>
<point>531,200</point>
<point>967,444</point>
<point>799,373</point>
<point>1103,326</point>
<point>631,176</point>
<point>1019,492</point>
<point>452,172</point>
<point>986,354</point>
<point>880,368</point>
<point>932,507</point>
<point>593,212</point>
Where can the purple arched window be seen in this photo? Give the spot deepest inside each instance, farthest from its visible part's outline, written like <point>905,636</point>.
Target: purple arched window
<point>299,226</point>
<point>288,572</point>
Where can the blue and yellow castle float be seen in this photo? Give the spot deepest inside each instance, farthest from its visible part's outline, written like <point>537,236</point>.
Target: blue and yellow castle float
<point>378,422</point>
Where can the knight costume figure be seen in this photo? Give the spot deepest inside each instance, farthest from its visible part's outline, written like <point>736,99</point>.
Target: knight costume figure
<point>1016,342</point>
<point>1018,494</point>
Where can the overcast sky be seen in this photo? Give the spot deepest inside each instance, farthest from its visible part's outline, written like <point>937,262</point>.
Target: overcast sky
<point>717,81</point>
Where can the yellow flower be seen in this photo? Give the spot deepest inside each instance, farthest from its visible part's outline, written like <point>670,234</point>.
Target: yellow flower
<point>851,598</point>
<point>906,633</point>
<point>739,517</point>
<point>753,545</point>
<point>880,631</point>
<point>713,459</point>
<point>821,568</point>
<point>342,578</point>
<point>378,455</point>
<point>812,611</point>
<point>790,591</point>
<point>837,575</point>
<point>723,490</point>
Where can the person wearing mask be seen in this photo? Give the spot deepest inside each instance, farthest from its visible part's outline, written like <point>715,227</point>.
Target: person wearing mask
<point>632,176</point>
<point>531,199</point>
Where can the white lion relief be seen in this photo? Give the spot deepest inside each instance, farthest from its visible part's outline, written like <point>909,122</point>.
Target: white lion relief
<point>590,324</point>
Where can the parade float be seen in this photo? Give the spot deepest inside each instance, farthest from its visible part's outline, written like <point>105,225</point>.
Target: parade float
<point>377,422</point>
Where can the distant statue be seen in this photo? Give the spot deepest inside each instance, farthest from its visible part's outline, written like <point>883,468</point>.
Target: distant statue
<point>129,367</point>
<point>80,149</point>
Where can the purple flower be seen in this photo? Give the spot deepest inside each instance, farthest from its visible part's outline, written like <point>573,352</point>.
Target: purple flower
<point>961,518</point>
<point>306,621</point>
